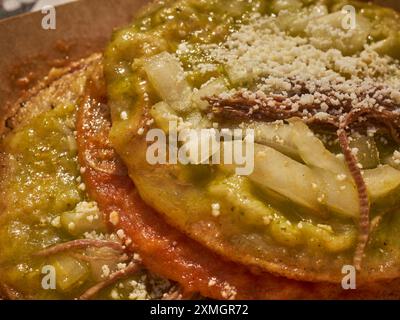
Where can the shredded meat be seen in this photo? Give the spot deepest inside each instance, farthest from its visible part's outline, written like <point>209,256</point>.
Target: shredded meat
<point>340,116</point>
<point>86,258</point>
<point>362,197</point>
<point>79,244</point>
<point>268,109</point>
<point>164,250</point>
<point>171,254</point>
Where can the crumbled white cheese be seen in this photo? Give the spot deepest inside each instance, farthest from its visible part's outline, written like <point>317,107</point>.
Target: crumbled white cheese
<point>114,218</point>
<point>396,157</point>
<point>215,209</point>
<point>260,50</point>
<point>71,226</point>
<point>137,257</point>
<point>121,234</point>
<point>340,156</point>
<point>105,271</point>
<point>212,282</point>
<point>267,220</point>
<point>82,187</point>
<point>124,115</point>
<point>149,122</point>
<point>229,292</point>
<point>56,222</point>
<point>354,151</point>
<point>115,294</point>
<point>121,266</point>
<point>307,99</point>
<point>300,225</point>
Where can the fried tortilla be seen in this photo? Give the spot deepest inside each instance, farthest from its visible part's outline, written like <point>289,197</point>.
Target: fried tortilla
<point>168,252</point>
<point>84,189</point>
<point>322,102</point>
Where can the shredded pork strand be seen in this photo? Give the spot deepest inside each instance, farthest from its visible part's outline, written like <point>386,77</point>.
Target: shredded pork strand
<point>132,268</point>
<point>364,220</point>
<point>79,244</point>
<point>339,115</point>
<point>375,104</point>
<point>86,258</point>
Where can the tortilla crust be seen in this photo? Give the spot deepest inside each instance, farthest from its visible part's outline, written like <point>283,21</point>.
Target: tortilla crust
<point>165,250</point>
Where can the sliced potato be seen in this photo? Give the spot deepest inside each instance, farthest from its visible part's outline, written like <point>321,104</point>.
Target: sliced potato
<point>70,273</point>
<point>294,22</point>
<point>163,114</point>
<point>321,189</point>
<point>389,46</point>
<point>168,79</point>
<point>277,172</point>
<point>297,141</point>
<point>338,193</point>
<point>277,136</point>
<point>312,150</point>
<point>317,189</point>
<point>327,32</point>
<point>214,87</point>
<point>382,182</point>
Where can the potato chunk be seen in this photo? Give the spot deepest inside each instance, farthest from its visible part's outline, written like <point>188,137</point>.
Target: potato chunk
<point>277,136</point>
<point>70,273</point>
<point>327,32</point>
<point>275,171</point>
<point>168,79</point>
<point>382,183</point>
<point>85,217</point>
<point>211,88</point>
<point>317,189</point>
<point>312,150</point>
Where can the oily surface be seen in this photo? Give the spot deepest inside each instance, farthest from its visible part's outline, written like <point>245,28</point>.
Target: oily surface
<point>25,227</point>
<point>168,252</point>
<point>163,249</point>
<point>39,171</point>
<point>183,194</point>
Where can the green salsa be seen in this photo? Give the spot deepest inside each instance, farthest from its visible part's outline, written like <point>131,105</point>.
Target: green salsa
<point>254,225</point>
<point>160,69</point>
<point>42,184</point>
